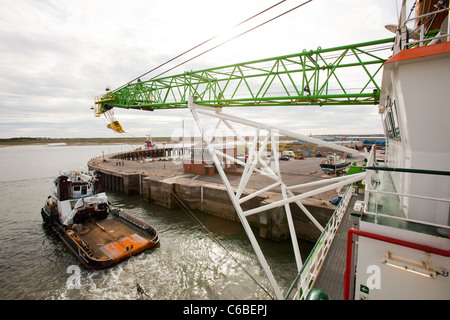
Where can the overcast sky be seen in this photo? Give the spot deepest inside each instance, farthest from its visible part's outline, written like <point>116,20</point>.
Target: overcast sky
<point>56,56</point>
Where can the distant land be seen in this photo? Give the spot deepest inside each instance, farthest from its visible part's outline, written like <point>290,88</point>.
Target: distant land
<point>78,141</point>
<point>138,140</point>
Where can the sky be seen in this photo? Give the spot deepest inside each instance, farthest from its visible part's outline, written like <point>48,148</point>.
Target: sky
<point>56,56</point>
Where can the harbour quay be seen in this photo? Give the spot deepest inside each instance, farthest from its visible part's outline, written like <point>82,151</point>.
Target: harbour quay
<point>160,177</point>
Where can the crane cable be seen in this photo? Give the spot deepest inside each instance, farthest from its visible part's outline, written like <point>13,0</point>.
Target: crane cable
<point>113,123</point>
<point>195,47</point>
<point>235,37</point>
<point>222,43</point>
<point>205,229</point>
<point>217,241</point>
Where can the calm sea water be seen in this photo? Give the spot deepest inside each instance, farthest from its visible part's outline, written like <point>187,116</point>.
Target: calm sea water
<point>188,264</point>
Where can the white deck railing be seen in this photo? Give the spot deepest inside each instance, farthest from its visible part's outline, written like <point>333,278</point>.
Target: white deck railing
<point>403,33</point>
<point>372,200</point>
<point>313,264</point>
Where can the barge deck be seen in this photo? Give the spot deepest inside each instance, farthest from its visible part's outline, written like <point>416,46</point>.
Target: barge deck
<point>111,238</point>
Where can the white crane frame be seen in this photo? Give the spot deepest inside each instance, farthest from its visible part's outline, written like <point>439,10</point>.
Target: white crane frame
<point>273,172</point>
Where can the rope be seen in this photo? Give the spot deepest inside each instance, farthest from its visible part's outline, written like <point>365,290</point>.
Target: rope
<point>235,37</point>
<point>204,42</point>
<point>217,241</point>
<point>141,291</point>
<point>109,117</point>
<point>198,45</point>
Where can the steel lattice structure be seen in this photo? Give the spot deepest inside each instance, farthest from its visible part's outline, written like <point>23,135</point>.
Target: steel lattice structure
<point>345,75</point>
<point>315,77</point>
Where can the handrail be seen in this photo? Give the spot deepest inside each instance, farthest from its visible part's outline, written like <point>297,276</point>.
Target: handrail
<point>423,15</point>
<point>371,189</point>
<point>421,171</point>
<point>408,195</point>
<point>305,278</point>
<point>404,42</point>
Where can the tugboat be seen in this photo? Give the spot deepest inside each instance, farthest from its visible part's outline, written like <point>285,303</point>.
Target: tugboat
<point>334,164</point>
<point>99,235</point>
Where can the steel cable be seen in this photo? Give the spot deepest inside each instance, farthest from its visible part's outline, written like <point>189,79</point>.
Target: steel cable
<point>210,39</point>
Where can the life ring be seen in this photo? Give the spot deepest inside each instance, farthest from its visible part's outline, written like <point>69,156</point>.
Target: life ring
<point>332,163</point>
<point>324,161</point>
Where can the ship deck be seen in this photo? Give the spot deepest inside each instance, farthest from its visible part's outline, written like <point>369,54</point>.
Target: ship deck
<point>385,209</point>
<point>331,276</point>
<point>111,237</point>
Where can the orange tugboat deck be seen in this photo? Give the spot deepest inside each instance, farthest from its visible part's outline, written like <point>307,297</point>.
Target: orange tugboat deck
<point>112,239</point>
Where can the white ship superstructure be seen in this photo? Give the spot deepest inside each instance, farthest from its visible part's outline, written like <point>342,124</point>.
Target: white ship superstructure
<point>400,247</point>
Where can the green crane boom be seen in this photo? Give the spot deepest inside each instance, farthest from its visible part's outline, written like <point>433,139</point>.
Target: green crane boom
<point>343,75</point>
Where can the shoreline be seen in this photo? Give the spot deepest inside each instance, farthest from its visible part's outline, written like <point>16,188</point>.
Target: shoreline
<point>24,141</point>
<point>77,141</point>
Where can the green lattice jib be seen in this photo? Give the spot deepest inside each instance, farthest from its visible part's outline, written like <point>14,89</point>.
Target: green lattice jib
<point>343,75</point>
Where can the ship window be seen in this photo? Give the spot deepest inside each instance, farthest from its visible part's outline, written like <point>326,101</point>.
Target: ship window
<point>388,126</point>
<point>395,116</point>
<point>83,189</point>
<point>76,188</point>
<point>391,121</point>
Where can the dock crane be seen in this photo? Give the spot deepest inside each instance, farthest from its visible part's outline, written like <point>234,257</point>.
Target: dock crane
<point>321,77</point>
<point>315,77</point>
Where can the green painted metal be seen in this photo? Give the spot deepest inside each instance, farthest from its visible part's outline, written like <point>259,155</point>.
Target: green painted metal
<point>317,294</point>
<point>419,171</point>
<point>343,75</point>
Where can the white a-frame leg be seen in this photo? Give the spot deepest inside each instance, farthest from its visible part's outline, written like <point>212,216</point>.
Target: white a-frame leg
<point>263,135</point>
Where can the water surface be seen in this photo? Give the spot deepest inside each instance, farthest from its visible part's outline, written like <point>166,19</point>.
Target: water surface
<point>188,264</point>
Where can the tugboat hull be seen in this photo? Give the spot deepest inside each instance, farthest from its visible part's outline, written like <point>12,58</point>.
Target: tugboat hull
<point>332,169</point>
<point>334,164</point>
<point>103,244</point>
<point>99,235</point>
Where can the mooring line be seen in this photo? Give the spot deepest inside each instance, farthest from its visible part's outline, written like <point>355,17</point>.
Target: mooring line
<point>217,241</point>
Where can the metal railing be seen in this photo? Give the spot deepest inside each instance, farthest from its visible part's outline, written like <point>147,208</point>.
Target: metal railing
<point>310,271</point>
<point>265,134</point>
<point>402,39</point>
<point>371,189</point>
